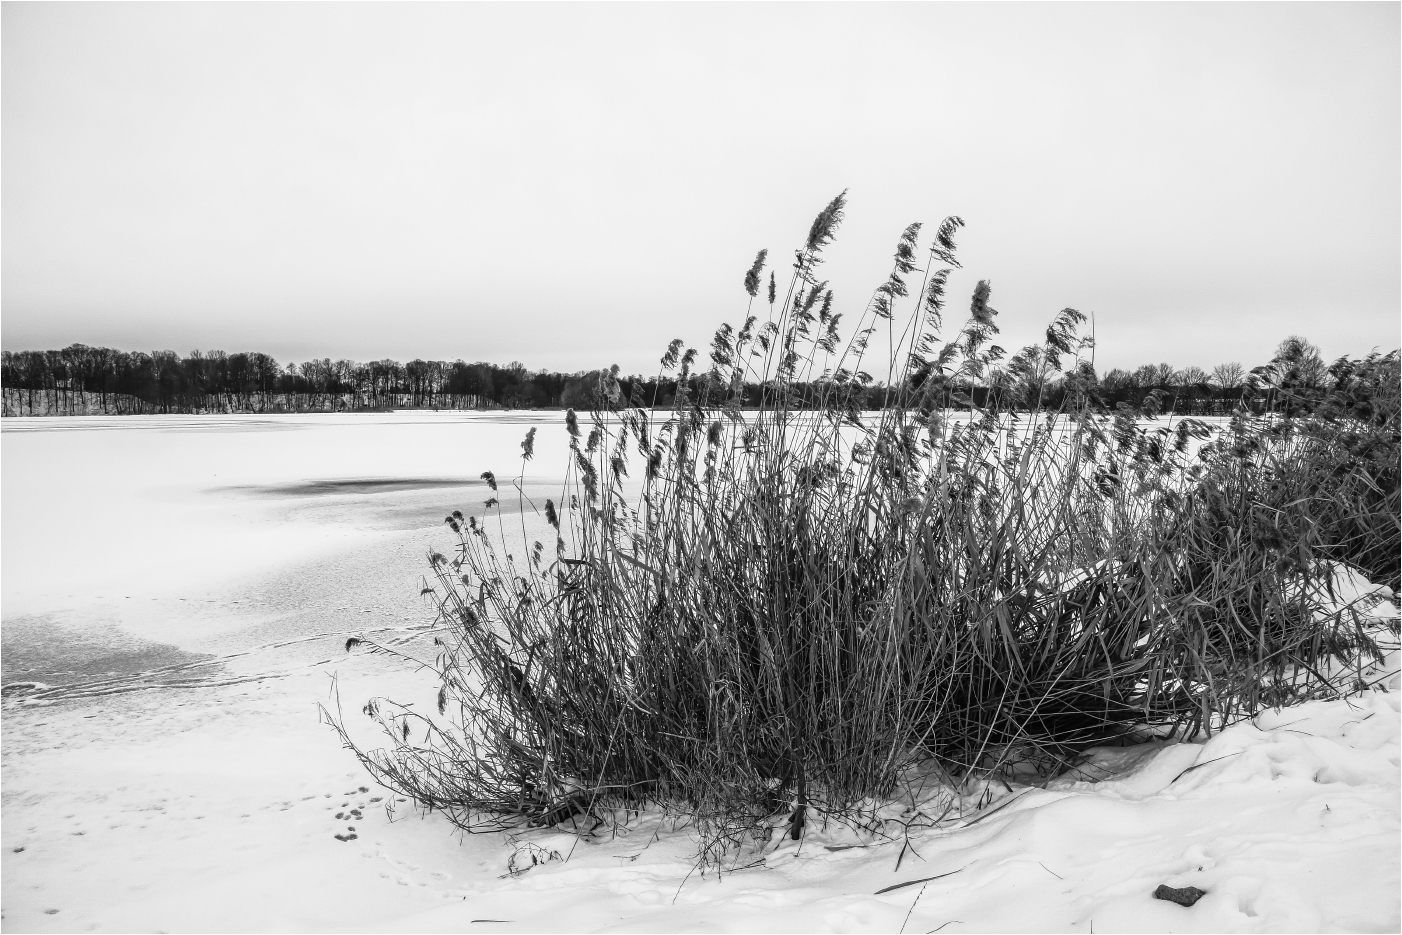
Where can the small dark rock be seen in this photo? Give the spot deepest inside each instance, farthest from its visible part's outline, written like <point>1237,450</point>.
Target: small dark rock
<point>364,788</point>
<point>347,837</point>
<point>340,815</point>
<point>1184,896</point>
<point>18,849</point>
<point>50,912</point>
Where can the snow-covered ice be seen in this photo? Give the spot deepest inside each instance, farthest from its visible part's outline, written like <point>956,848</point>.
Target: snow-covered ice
<point>187,585</point>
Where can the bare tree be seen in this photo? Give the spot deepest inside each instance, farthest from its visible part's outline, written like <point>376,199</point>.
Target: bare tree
<point>1228,376</point>
<point>1154,375</point>
<point>1298,363</point>
<point>1189,376</point>
<point>1117,379</point>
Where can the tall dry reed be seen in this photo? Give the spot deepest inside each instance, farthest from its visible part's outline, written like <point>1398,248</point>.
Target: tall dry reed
<point>756,615</point>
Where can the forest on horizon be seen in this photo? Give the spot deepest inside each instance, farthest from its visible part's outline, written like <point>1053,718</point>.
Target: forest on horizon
<point>83,380</point>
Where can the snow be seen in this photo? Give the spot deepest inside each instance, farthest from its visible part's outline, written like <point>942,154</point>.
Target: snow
<point>187,585</point>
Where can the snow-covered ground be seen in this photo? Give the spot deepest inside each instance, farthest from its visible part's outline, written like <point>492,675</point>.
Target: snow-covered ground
<point>186,585</point>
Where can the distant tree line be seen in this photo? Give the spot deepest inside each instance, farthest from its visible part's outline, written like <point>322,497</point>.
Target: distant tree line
<point>1296,379</point>
<point>85,380</point>
<point>97,380</point>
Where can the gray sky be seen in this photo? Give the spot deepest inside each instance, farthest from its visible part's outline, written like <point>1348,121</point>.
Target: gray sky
<point>574,185</point>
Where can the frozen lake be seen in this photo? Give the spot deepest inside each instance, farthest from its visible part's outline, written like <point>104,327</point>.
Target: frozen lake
<point>133,540</point>
<point>186,585</point>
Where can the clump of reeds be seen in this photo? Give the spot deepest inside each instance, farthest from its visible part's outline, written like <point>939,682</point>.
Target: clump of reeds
<point>754,615</point>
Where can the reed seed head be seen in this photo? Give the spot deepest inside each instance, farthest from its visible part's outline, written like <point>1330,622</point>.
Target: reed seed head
<point>824,226</point>
<point>752,275</point>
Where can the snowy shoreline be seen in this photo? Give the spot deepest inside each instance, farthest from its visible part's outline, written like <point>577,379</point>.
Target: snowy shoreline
<point>140,812</point>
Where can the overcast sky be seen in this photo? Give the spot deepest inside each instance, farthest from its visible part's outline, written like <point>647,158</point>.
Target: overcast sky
<point>574,185</point>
